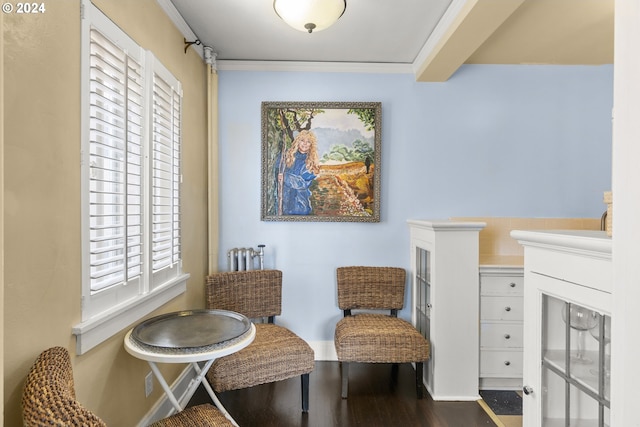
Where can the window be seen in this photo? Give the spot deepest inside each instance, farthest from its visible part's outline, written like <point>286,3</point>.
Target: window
<point>131,135</point>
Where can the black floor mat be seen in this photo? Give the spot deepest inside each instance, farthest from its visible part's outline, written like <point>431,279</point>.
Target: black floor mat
<point>503,402</point>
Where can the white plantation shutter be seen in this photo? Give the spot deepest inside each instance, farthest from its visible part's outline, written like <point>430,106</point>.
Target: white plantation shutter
<point>177,176</point>
<point>135,171</point>
<point>166,174</point>
<point>115,160</point>
<point>131,157</point>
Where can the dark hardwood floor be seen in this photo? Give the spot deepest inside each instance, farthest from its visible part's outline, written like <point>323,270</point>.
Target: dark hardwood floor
<point>375,399</point>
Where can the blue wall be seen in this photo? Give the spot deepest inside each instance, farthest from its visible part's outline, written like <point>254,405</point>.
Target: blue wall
<point>494,140</point>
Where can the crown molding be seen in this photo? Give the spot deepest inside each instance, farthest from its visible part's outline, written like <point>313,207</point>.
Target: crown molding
<point>180,23</point>
<point>324,67</point>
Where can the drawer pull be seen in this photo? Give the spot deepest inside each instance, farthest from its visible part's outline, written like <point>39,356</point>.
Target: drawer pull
<point>507,363</point>
<point>507,336</point>
<point>512,284</point>
<point>507,308</point>
<point>527,390</point>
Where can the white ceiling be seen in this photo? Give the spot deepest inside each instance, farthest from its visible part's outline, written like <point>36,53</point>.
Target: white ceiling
<point>433,37</point>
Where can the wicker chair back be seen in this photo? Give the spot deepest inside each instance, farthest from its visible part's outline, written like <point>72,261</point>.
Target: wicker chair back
<point>371,288</point>
<point>254,293</point>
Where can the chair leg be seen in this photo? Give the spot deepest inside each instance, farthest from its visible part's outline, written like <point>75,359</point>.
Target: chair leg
<point>345,379</point>
<point>304,379</point>
<point>394,372</point>
<point>419,385</point>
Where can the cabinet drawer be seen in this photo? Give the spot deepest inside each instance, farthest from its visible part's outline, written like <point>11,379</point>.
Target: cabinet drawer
<point>501,285</point>
<point>501,335</point>
<point>507,364</point>
<point>501,308</point>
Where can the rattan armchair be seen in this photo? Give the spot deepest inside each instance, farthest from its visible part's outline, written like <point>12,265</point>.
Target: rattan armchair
<point>49,399</point>
<point>374,337</point>
<point>276,353</point>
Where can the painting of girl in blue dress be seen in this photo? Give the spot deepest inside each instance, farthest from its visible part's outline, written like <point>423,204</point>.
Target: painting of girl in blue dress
<point>320,161</point>
<point>296,174</point>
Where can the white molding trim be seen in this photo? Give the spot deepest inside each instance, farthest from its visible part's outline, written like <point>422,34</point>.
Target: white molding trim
<point>444,24</point>
<point>324,350</point>
<point>501,270</point>
<point>94,331</point>
<point>325,67</point>
<point>595,244</point>
<point>180,23</point>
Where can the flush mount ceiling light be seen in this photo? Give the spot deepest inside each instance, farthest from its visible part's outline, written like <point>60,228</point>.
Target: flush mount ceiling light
<point>310,15</point>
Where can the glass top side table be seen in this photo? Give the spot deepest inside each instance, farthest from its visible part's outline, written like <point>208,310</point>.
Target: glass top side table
<point>196,337</point>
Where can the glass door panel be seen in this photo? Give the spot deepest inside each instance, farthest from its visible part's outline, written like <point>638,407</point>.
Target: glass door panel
<point>575,364</point>
<point>423,305</point>
<point>423,281</point>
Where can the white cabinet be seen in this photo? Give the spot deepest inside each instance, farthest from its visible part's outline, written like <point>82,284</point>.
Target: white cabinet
<point>567,318</point>
<point>445,308</point>
<point>501,335</point>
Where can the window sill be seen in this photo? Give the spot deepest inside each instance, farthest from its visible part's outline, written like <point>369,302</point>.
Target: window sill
<point>97,330</point>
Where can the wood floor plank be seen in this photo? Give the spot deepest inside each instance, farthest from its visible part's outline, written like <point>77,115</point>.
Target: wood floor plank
<point>375,399</point>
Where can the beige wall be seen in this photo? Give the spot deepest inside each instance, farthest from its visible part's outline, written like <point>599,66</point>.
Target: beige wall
<point>1,215</point>
<point>495,238</point>
<point>42,200</point>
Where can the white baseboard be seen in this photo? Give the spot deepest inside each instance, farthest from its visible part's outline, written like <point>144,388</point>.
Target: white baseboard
<point>452,398</point>
<point>324,350</point>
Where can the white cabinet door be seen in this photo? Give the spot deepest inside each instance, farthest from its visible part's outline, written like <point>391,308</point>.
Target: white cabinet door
<point>567,283</point>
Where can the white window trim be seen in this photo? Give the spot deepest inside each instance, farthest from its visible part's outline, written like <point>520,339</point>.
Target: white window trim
<point>97,330</point>
<point>93,330</point>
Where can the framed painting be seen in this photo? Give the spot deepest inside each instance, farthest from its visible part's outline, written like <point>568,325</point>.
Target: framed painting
<point>321,161</point>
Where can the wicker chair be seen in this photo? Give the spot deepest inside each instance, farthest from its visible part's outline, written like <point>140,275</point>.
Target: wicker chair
<point>49,399</point>
<point>276,353</point>
<point>375,337</point>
